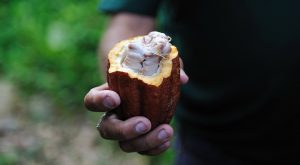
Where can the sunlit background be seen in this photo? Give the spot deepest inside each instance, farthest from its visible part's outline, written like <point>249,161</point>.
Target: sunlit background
<point>48,62</point>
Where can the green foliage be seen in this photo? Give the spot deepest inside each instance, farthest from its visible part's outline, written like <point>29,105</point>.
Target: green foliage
<point>50,47</point>
<point>8,159</point>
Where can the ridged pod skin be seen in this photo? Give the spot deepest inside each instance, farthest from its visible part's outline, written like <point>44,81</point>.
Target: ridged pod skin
<point>154,99</point>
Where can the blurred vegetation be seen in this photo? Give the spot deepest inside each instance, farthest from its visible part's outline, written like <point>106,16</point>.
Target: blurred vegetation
<point>49,47</point>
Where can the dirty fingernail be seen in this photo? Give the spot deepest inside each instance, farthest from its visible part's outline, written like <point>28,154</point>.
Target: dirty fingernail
<point>162,134</point>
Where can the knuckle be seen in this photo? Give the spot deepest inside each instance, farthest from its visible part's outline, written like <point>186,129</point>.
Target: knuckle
<point>121,133</point>
<point>101,128</point>
<point>103,133</point>
<point>124,147</point>
<point>86,100</point>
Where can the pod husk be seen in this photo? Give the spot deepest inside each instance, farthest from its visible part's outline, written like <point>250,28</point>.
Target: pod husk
<point>139,95</point>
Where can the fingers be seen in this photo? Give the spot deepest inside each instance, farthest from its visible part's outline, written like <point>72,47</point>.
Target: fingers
<point>181,63</point>
<point>158,150</point>
<point>133,134</point>
<point>183,77</point>
<point>153,142</point>
<point>112,128</point>
<point>101,99</point>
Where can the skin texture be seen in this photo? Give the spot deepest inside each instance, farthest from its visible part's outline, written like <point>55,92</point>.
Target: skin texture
<point>133,134</point>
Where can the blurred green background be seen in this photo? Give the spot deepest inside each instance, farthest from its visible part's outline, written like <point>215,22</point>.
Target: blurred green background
<point>48,62</point>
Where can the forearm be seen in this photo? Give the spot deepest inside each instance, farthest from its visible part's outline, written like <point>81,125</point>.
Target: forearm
<point>122,26</point>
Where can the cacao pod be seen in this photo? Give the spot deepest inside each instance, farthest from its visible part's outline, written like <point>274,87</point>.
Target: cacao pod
<point>155,96</point>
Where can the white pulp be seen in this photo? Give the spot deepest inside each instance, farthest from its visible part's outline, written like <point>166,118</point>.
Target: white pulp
<point>143,55</point>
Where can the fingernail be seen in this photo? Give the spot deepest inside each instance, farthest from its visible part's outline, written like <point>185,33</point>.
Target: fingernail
<point>162,134</point>
<point>140,127</point>
<point>108,102</point>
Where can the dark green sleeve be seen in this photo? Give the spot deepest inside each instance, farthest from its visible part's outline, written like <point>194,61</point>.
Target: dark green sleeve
<point>144,7</point>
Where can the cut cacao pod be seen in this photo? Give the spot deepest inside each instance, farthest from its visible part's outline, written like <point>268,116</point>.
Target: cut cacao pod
<point>153,96</point>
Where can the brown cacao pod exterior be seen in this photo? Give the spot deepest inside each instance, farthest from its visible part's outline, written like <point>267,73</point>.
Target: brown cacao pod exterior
<point>154,97</point>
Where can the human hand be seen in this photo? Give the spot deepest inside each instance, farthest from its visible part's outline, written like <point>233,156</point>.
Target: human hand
<point>133,134</point>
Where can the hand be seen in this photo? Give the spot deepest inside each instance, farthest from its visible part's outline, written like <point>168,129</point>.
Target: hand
<point>133,134</point>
